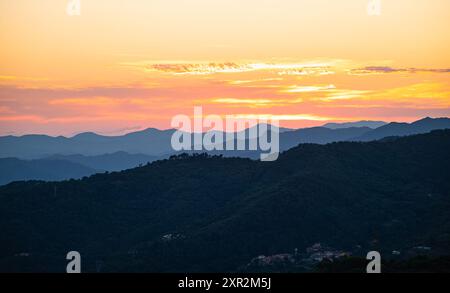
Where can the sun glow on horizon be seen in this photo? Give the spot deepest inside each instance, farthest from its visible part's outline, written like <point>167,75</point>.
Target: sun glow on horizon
<point>124,65</point>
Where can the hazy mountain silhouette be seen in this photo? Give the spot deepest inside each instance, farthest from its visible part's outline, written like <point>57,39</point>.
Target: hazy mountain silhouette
<point>59,167</point>
<point>213,214</point>
<point>319,135</point>
<point>109,162</point>
<point>149,142</point>
<point>12,169</point>
<point>403,129</point>
<point>157,143</point>
<point>369,124</point>
<point>288,139</point>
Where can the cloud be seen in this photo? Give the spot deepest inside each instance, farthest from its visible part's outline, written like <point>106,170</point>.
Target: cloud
<point>283,117</point>
<point>309,89</point>
<point>344,94</point>
<point>413,96</point>
<point>90,101</point>
<point>7,77</point>
<point>252,81</point>
<point>254,103</point>
<point>34,118</point>
<point>233,67</point>
<point>386,69</point>
<point>243,101</point>
<point>198,69</point>
<point>308,71</point>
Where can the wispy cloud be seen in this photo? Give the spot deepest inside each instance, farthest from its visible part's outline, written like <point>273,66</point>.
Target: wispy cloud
<point>309,89</point>
<point>253,81</point>
<point>90,101</point>
<point>243,101</point>
<point>386,69</point>
<point>234,67</point>
<point>343,94</point>
<point>197,69</point>
<point>320,70</point>
<point>256,103</point>
<point>283,117</point>
<point>415,96</point>
<point>7,77</point>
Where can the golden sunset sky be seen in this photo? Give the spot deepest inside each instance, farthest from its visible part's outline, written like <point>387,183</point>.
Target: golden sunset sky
<point>125,65</point>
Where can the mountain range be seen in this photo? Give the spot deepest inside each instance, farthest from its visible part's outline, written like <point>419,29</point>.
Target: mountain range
<point>403,129</point>
<point>12,169</point>
<point>31,156</point>
<point>205,213</point>
<point>369,124</point>
<point>108,162</point>
<point>156,142</point>
<point>150,142</point>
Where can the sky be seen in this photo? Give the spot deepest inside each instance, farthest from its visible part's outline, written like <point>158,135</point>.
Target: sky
<point>126,65</point>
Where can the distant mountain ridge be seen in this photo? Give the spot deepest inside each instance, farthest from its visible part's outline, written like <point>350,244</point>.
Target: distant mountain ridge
<point>109,162</point>
<point>154,142</point>
<point>88,153</point>
<point>12,169</point>
<point>369,124</point>
<point>149,142</point>
<point>63,167</point>
<point>404,129</point>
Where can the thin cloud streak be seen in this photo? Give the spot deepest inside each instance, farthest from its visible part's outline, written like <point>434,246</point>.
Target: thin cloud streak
<point>232,67</point>
<point>386,69</point>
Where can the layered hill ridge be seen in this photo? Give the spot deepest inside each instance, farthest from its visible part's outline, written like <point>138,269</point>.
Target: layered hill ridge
<point>90,151</point>
<point>200,213</point>
<point>154,142</point>
<point>403,129</point>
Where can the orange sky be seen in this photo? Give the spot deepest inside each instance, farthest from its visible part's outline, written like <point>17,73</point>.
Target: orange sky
<point>122,66</point>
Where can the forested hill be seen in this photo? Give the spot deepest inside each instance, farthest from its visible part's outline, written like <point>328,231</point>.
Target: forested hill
<point>216,214</point>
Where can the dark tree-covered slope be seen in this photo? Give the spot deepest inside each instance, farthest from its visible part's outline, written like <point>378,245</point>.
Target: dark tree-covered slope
<point>205,213</point>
